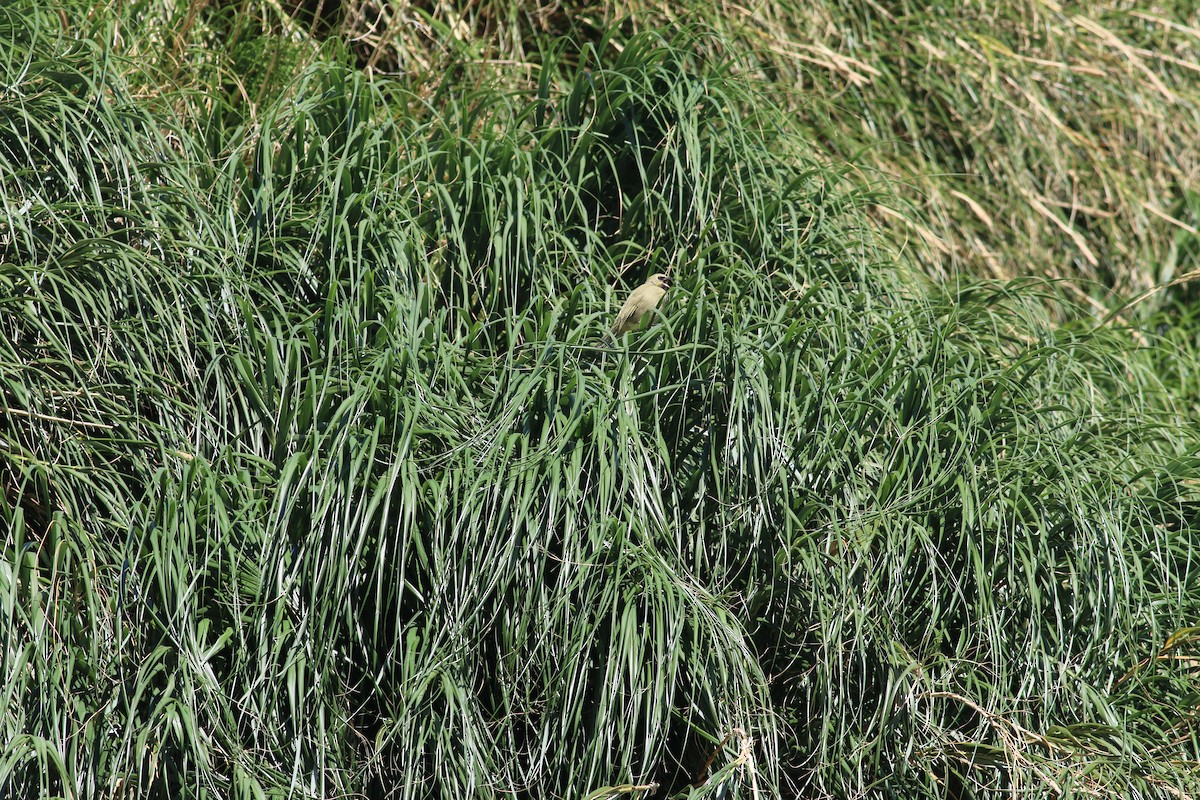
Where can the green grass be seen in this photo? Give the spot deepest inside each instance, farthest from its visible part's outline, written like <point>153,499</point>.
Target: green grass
<point>1033,138</point>
<point>321,478</point>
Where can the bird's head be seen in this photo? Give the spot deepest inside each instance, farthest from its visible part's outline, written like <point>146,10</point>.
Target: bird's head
<point>660,280</point>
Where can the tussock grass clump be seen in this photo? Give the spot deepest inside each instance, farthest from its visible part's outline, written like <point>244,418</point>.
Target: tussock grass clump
<point>320,476</point>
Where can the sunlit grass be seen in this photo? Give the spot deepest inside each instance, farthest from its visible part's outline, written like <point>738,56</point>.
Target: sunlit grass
<point>321,477</point>
<point>1032,138</point>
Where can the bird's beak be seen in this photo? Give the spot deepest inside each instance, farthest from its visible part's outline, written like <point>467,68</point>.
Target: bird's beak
<point>667,281</point>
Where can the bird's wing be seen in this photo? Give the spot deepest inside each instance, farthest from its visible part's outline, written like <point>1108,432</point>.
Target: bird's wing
<point>625,314</point>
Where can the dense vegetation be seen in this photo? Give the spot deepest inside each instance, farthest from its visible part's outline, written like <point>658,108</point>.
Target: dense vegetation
<point>322,478</point>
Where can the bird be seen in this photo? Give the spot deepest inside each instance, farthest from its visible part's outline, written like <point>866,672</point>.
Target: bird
<point>641,302</point>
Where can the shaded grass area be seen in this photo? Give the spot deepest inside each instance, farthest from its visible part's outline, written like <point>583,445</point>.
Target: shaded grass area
<point>321,478</point>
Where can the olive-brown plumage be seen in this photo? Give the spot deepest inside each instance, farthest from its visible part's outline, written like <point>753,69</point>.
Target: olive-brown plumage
<point>641,302</point>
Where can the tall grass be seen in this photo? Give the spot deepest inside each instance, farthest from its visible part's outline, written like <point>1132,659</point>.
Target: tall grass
<point>321,476</point>
<point>1034,138</point>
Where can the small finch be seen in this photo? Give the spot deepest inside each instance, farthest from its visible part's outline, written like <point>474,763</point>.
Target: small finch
<point>641,302</point>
